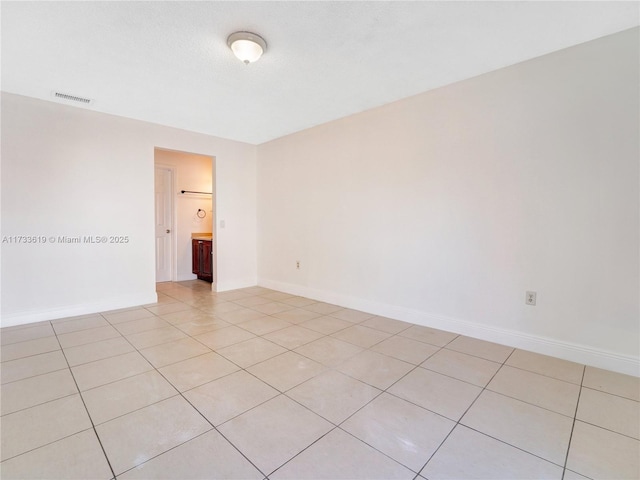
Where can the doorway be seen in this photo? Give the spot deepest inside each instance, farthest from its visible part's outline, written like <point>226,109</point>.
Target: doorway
<point>190,203</point>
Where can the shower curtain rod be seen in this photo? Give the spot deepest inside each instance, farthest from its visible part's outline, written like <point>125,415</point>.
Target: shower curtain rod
<point>191,191</point>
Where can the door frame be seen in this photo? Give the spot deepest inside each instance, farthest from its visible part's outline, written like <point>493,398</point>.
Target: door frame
<point>214,223</point>
<point>214,207</point>
<point>173,251</point>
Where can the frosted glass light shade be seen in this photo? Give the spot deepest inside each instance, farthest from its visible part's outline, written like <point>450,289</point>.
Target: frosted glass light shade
<point>248,47</point>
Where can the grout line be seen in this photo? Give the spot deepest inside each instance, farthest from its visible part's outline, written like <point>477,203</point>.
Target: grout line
<point>87,411</point>
<point>465,412</point>
<point>573,424</point>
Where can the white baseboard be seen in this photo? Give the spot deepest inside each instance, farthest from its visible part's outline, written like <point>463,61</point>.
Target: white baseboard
<point>235,284</point>
<point>583,354</point>
<point>114,303</point>
<point>186,277</point>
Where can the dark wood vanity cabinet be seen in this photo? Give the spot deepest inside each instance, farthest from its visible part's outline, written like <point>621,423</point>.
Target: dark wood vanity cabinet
<point>202,264</point>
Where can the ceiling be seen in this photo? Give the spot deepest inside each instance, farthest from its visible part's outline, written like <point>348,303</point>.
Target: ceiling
<point>168,62</point>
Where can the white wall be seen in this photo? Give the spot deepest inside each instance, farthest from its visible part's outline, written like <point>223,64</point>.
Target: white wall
<point>195,173</point>
<point>71,171</point>
<point>444,208</point>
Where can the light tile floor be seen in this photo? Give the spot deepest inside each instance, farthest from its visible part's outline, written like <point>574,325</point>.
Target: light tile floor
<point>256,383</point>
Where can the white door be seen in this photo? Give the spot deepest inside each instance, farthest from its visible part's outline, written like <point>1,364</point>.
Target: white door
<point>164,225</point>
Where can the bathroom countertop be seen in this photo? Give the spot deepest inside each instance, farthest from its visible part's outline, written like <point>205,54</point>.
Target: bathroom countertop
<point>201,236</point>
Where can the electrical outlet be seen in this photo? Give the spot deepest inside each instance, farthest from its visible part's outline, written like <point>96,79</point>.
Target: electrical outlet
<point>530,298</point>
<point>298,264</point>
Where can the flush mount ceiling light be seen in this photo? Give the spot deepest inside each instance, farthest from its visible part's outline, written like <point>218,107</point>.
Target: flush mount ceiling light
<point>247,46</point>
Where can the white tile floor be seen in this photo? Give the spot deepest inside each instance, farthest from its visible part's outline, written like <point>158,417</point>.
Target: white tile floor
<point>255,383</point>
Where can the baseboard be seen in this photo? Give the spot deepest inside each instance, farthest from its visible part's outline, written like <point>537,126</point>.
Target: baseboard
<point>235,284</point>
<point>186,277</point>
<point>583,354</point>
<point>113,303</point>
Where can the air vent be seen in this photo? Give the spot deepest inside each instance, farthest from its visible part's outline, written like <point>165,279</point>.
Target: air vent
<point>72,98</point>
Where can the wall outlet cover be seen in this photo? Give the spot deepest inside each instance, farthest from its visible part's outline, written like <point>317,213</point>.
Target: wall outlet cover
<point>530,298</point>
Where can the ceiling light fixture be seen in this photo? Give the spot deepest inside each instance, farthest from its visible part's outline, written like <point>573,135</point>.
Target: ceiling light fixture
<point>247,46</point>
